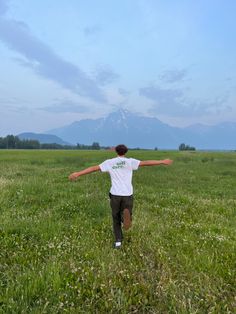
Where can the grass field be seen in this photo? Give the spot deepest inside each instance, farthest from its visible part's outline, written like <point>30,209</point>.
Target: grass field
<point>56,238</point>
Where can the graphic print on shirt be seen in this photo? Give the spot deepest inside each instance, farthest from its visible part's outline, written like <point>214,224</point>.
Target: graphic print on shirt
<point>119,165</point>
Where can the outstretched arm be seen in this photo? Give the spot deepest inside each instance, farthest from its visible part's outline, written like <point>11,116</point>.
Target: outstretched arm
<point>165,162</point>
<point>73,176</point>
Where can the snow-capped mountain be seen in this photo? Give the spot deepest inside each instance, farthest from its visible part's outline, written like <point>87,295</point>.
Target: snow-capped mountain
<point>134,130</point>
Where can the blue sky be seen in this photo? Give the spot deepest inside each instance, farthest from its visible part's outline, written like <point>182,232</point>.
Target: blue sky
<point>62,61</point>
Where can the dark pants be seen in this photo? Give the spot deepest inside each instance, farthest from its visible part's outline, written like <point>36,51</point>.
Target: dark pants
<point>118,204</point>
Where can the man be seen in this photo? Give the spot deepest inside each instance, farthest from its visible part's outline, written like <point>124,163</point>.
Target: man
<point>120,169</point>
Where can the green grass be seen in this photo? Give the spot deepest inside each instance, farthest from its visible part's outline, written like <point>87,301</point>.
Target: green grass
<point>56,237</point>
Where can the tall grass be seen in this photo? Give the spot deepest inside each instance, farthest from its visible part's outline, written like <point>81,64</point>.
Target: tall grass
<point>56,238</point>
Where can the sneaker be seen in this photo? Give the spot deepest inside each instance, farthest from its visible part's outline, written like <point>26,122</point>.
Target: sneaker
<point>117,245</point>
<point>127,219</point>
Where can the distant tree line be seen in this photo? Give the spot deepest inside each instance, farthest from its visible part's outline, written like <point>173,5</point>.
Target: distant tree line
<point>94,146</point>
<point>14,142</point>
<point>186,147</point>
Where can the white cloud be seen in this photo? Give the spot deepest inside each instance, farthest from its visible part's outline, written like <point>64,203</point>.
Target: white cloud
<point>104,75</point>
<point>65,107</point>
<point>44,61</point>
<point>173,102</point>
<point>173,76</point>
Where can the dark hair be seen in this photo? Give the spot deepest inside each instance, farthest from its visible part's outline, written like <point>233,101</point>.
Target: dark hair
<point>121,149</point>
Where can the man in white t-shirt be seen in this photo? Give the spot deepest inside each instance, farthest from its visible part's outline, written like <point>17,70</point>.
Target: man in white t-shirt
<point>120,169</point>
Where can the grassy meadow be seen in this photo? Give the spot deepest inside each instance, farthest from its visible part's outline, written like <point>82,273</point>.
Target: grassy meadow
<point>56,237</point>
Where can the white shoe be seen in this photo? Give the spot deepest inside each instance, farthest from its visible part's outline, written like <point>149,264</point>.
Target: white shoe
<point>117,245</point>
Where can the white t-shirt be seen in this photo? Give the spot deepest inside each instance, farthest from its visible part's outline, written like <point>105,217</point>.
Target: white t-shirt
<point>121,171</point>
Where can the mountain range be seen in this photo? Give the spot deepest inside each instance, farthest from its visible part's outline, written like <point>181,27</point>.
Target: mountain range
<point>42,138</point>
<point>134,130</point>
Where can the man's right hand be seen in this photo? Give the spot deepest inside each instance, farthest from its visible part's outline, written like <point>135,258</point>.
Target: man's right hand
<point>73,176</point>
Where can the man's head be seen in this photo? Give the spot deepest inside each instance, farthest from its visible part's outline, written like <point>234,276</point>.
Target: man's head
<point>121,149</point>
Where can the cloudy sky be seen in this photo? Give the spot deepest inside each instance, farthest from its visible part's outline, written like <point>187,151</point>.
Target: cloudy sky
<point>62,61</point>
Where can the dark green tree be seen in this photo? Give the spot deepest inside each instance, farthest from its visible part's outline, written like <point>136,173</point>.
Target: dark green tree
<point>95,145</point>
<point>182,146</point>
